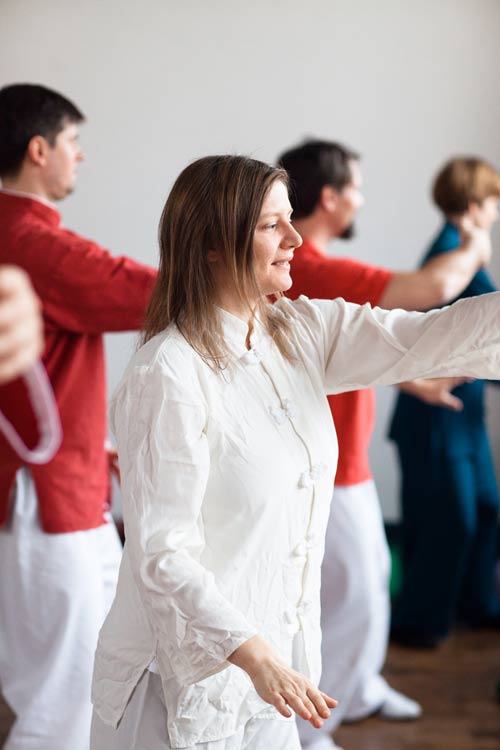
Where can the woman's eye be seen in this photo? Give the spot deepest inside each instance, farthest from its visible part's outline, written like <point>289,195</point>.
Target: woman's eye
<point>271,226</point>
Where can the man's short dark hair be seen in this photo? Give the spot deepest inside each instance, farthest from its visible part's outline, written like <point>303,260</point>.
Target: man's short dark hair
<point>311,166</point>
<point>27,110</point>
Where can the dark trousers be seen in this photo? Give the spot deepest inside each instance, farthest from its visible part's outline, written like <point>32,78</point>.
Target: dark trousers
<point>450,527</point>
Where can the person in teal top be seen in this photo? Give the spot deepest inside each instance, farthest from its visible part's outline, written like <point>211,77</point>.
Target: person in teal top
<point>449,495</point>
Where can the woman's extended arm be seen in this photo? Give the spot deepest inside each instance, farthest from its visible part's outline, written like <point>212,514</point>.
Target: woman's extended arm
<point>360,346</point>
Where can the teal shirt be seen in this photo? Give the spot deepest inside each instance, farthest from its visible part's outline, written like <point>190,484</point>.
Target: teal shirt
<point>435,430</point>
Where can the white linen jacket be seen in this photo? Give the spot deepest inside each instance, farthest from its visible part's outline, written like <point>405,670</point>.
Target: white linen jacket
<point>226,482</point>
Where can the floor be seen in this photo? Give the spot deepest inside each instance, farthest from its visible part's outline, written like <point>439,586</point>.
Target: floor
<point>456,685</point>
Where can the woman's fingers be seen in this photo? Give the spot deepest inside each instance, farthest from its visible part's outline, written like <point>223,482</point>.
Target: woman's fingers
<point>316,719</point>
<point>298,705</point>
<point>312,705</point>
<point>306,701</point>
<point>309,704</point>
<point>280,704</point>
<point>330,702</point>
<point>319,702</point>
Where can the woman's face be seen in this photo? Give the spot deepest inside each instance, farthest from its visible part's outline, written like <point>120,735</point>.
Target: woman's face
<point>274,242</point>
<point>485,214</point>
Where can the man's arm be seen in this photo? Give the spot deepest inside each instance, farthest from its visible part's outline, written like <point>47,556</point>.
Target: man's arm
<point>83,288</point>
<point>441,279</point>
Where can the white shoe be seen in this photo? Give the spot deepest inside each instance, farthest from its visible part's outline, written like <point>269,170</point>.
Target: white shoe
<point>324,742</point>
<point>397,707</point>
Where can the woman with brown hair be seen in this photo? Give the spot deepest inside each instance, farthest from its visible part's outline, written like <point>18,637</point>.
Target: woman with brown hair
<point>227,456</point>
<point>449,510</point>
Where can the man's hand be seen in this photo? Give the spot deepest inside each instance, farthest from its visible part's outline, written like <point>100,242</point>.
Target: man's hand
<point>436,391</point>
<point>279,685</point>
<point>21,337</point>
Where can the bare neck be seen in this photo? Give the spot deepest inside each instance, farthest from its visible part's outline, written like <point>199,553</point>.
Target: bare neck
<point>26,182</point>
<point>232,303</point>
<point>456,219</point>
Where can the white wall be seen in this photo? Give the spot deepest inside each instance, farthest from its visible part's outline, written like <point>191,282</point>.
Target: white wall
<point>164,81</point>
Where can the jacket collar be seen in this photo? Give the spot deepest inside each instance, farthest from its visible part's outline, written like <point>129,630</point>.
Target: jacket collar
<point>15,201</point>
<point>235,331</point>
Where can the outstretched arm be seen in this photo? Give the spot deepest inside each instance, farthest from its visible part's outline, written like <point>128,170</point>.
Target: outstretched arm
<point>357,346</point>
<point>442,278</point>
<point>21,338</point>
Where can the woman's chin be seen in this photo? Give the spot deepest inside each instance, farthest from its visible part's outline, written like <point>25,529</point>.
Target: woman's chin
<point>284,284</point>
<point>277,286</point>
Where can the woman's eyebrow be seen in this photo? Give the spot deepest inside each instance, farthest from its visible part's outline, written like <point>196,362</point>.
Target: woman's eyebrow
<point>277,212</point>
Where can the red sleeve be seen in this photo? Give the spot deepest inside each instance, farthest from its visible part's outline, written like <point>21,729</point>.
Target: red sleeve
<point>326,277</point>
<point>84,288</point>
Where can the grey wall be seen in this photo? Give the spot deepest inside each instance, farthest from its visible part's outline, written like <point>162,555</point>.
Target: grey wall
<point>163,81</point>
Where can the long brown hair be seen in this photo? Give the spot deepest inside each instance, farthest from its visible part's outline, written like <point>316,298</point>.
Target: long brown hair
<point>214,204</point>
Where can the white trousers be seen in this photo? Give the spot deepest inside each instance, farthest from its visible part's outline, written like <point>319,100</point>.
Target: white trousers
<point>144,727</point>
<point>55,590</point>
<point>355,607</point>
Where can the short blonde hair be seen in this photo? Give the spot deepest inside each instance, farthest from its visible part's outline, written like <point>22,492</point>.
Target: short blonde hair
<point>463,181</point>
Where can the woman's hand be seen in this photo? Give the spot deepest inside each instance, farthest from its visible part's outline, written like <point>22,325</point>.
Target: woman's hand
<point>279,685</point>
<point>474,236</point>
<point>436,391</point>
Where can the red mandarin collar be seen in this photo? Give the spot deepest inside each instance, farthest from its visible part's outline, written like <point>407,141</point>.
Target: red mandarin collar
<point>24,203</point>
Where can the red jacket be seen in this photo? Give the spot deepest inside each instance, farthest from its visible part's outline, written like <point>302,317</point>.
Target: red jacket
<point>84,292</point>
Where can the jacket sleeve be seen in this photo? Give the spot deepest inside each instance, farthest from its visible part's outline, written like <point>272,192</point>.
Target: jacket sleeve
<point>164,462</point>
<point>360,346</point>
<point>84,288</point>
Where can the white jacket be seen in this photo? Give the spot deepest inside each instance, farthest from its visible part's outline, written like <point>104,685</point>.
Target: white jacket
<point>226,482</point>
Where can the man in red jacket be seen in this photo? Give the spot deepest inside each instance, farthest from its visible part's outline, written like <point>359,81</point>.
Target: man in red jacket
<point>59,552</point>
<point>326,195</point>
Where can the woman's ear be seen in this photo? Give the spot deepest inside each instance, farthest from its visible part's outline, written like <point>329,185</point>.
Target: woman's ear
<point>473,212</point>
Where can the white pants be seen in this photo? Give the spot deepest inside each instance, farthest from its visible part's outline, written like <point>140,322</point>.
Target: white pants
<point>144,727</point>
<point>55,590</point>
<point>355,606</point>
